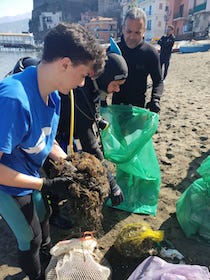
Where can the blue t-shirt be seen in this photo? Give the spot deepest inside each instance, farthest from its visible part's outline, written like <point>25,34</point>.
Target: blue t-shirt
<point>27,125</point>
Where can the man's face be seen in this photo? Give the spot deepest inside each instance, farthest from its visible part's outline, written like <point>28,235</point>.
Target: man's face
<point>114,86</point>
<point>74,76</point>
<point>133,32</point>
<point>169,31</point>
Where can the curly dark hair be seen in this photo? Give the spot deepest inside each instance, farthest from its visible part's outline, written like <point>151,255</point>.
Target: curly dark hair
<point>74,41</point>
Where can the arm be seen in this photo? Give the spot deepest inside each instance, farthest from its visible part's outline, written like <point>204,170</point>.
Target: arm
<point>157,83</point>
<point>10,177</point>
<point>116,195</point>
<point>160,41</point>
<point>155,73</point>
<point>57,152</point>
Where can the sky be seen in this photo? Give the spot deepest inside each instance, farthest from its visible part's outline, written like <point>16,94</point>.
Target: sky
<point>15,7</point>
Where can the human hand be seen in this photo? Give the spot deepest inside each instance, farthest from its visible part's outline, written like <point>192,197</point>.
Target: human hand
<point>116,194</point>
<point>56,185</point>
<point>154,105</point>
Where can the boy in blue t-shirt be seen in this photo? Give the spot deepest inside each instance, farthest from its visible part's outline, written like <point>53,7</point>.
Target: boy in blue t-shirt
<point>30,108</point>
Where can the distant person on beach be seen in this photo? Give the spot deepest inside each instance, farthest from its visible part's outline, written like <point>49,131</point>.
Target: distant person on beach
<point>166,43</point>
<point>30,108</point>
<point>142,60</point>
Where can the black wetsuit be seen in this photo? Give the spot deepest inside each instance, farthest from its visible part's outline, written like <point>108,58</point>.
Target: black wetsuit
<point>85,99</point>
<point>142,61</point>
<point>166,44</point>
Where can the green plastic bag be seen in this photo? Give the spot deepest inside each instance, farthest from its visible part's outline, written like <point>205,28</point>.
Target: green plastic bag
<point>193,207</point>
<point>128,143</point>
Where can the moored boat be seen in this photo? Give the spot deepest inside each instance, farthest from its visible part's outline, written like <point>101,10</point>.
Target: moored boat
<point>194,48</point>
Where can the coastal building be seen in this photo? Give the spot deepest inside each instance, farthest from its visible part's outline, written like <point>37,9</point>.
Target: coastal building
<point>179,13</point>
<point>103,28</point>
<point>17,40</point>
<point>157,13</point>
<point>48,20</point>
<point>199,18</point>
<point>111,9</point>
<point>47,13</point>
<point>191,18</point>
<point>87,16</point>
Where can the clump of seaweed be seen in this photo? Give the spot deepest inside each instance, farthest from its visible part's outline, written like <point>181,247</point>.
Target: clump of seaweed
<point>87,192</point>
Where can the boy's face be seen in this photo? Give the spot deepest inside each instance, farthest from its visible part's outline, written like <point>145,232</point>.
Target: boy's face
<point>74,75</point>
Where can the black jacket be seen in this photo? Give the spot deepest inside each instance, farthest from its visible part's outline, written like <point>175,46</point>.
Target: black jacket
<point>166,44</point>
<point>142,61</point>
<point>85,101</point>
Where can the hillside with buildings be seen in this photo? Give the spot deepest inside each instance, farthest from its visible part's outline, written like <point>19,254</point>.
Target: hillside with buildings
<point>191,18</point>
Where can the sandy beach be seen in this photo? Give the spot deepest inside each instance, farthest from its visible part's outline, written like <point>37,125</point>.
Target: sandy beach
<point>182,142</point>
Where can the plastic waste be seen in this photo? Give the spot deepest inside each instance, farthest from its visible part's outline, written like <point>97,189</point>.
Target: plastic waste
<point>137,239</point>
<point>155,268</point>
<point>192,208</point>
<point>171,253</point>
<point>75,259</point>
<point>128,143</point>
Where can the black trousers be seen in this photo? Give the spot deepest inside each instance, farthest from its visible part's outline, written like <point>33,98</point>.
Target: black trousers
<point>29,259</point>
<point>164,61</point>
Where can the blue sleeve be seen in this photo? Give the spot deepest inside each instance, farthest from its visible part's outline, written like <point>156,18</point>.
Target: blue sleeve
<point>14,123</point>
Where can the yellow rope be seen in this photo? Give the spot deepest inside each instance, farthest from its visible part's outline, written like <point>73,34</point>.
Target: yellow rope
<point>71,122</point>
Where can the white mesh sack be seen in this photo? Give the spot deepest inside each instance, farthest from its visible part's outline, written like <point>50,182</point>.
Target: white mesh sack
<point>75,262</point>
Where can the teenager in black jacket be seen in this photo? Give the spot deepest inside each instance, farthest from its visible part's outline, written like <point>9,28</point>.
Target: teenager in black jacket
<point>166,44</point>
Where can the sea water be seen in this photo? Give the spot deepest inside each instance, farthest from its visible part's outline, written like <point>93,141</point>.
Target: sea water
<point>9,57</point>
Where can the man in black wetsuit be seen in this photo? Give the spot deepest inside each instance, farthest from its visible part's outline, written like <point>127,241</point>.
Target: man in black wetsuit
<point>142,60</point>
<point>166,44</point>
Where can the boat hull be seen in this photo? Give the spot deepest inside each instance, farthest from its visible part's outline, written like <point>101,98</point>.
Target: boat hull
<point>195,48</point>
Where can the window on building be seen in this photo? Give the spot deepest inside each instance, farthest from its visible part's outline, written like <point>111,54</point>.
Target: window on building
<point>160,6</point>
<point>159,23</point>
<point>48,19</point>
<point>149,25</point>
<point>150,10</point>
<point>181,10</point>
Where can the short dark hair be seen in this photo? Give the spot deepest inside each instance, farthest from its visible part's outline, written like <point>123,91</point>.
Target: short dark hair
<point>171,27</point>
<point>136,13</point>
<point>74,41</point>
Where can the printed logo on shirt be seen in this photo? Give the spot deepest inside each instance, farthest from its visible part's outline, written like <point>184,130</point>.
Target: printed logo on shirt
<point>40,145</point>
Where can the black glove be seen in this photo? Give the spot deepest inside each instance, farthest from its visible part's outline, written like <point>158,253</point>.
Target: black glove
<point>116,194</point>
<point>57,185</point>
<point>154,105</point>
